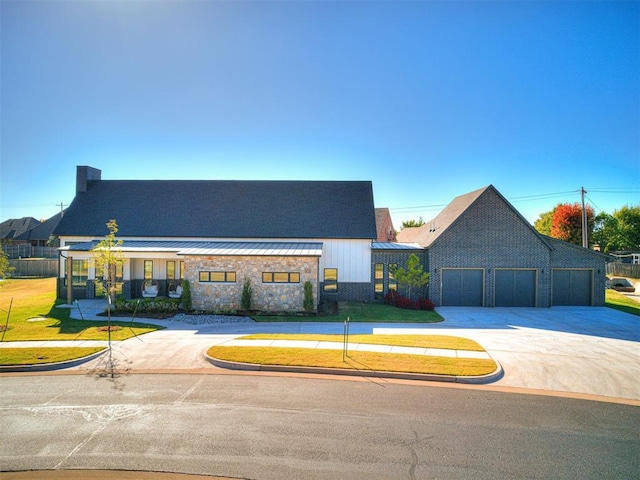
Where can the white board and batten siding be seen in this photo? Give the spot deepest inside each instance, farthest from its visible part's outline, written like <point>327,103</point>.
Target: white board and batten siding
<point>352,258</point>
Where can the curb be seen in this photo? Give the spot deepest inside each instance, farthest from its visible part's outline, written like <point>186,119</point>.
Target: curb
<point>479,379</point>
<point>47,367</point>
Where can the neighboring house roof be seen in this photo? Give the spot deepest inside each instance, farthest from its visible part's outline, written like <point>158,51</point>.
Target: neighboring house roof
<point>43,230</point>
<point>14,227</point>
<point>428,233</point>
<point>287,249</point>
<point>223,209</point>
<point>384,226</point>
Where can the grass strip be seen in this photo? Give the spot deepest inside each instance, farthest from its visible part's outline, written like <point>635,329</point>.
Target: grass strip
<point>357,360</point>
<point>32,356</point>
<point>420,341</point>
<point>362,313</point>
<point>618,301</point>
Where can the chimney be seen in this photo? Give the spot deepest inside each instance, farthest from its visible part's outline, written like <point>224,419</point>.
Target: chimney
<point>84,175</point>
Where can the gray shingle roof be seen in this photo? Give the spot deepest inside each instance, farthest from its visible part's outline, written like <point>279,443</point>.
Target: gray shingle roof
<point>14,227</point>
<point>223,209</point>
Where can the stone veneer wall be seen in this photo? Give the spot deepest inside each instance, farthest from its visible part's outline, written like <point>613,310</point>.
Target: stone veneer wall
<point>272,297</point>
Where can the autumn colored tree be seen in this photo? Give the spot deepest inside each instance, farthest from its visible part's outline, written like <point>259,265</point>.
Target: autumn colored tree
<point>566,223</point>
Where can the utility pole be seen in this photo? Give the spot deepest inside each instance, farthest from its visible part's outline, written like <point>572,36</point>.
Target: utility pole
<point>62,205</point>
<point>585,239</point>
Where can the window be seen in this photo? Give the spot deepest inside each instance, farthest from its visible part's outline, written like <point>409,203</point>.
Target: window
<point>181,270</point>
<point>330,279</point>
<point>392,278</point>
<point>148,269</point>
<point>117,276</point>
<point>218,277</point>
<point>280,277</point>
<point>171,270</point>
<point>79,273</point>
<point>378,276</point>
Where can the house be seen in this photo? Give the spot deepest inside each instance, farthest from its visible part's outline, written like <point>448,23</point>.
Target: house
<point>216,234</point>
<point>12,229</point>
<point>384,226</point>
<point>481,252</point>
<point>40,235</point>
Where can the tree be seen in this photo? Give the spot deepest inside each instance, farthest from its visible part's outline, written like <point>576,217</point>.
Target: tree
<point>413,276</point>
<point>566,223</point>
<point>620,231</point>
<point>628,235</point>
<point>413,223</point>
<point>5,268</point>
<point>107,256</point>
<point>544,221</point>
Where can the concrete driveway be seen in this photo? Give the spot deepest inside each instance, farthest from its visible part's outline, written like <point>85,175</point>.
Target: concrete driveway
<point>582,350</point>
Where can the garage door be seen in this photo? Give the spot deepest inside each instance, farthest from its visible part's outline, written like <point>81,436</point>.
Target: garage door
<point>572,287</point>
<point>515,288</point>
<point>462,287</point>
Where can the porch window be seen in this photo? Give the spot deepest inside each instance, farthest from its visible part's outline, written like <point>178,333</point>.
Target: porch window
<point>392,278</point>
<point>378,276</point>
<point>171,270</point>
<point>148,269</point>
<point>217,277</point>
<point>330,279</point>
<point>79,273</point>
<point>280,277</point>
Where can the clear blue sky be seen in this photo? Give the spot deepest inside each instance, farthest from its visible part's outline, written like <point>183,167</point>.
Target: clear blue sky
<point>428,100</point>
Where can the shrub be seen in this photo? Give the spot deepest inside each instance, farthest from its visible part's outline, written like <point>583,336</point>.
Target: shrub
<point>185,299</point>
<point>395,299</point>
<point>308,297</point>
<point>247,291</point>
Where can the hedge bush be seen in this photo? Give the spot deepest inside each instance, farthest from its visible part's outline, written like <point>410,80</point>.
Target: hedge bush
<point>395,299</point>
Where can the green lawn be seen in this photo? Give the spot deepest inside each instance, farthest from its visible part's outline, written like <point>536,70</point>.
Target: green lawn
<point>362,312</point>
<point>34,316</point>
<point>447,342</point>
<point>362,360</point>
<point>618,301</point>
<point>33,356</point>
<point>357,360</point>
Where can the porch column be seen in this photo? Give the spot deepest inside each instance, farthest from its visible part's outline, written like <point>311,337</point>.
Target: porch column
<point>69,280</point>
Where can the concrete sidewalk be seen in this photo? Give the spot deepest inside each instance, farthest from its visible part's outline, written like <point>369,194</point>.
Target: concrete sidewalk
<point>358,347</point>
<point>585,350</point>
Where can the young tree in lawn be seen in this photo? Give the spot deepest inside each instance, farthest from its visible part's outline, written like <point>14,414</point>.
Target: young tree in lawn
<point>413,276</point>
<point>107,256</point>
<point>567,222</point>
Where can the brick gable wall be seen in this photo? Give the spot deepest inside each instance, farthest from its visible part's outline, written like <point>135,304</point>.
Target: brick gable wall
<point>489,235</point>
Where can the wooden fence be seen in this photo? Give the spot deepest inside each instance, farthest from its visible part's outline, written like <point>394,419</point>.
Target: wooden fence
<point>25,250</point>
<point>623,270</point>
<point>39,267</point>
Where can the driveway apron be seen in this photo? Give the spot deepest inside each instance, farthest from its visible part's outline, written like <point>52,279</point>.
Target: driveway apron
<point>584,350</point>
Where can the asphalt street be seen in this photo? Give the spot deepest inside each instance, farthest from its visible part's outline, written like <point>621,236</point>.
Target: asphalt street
<point>283,428</point>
